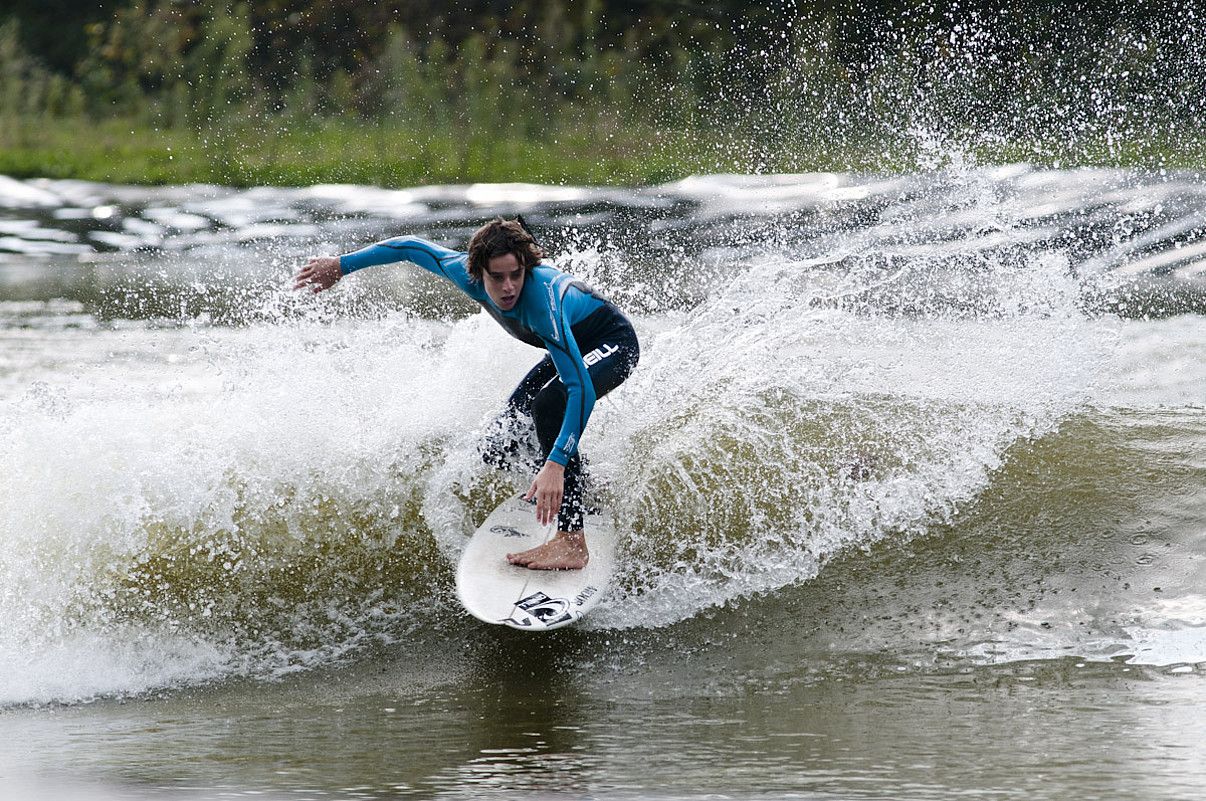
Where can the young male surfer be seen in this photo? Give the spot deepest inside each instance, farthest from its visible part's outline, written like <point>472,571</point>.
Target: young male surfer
<point>591,346</point>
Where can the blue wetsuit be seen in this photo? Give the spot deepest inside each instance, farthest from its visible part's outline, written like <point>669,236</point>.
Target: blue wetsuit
<point>591,348</point>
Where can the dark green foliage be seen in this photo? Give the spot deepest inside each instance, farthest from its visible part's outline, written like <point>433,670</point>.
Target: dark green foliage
<point>275,91</point>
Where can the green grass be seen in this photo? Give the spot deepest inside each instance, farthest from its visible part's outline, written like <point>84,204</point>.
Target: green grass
<point>277,151</point>
<point>328,151</point>
<point>108,151</point>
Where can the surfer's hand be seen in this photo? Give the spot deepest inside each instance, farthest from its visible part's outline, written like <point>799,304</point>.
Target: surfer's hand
<point>320,273</point>
<point>547,489</point>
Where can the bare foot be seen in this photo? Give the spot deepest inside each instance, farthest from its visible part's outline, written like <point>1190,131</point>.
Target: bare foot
<point>565,551</point>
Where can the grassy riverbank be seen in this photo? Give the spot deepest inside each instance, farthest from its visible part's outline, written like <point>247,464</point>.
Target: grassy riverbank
<point>367,152</point>
<point>333,151</point>
<point>151,91</point>
<point>329,151</point>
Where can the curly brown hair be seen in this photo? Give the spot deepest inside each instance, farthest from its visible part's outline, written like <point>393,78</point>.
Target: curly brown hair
<point>498,238</point>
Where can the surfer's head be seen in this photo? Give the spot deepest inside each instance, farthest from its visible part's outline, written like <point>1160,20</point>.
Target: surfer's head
<point>500,237</point>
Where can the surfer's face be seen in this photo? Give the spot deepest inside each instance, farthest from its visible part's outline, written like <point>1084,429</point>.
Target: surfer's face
<point>503,278</point>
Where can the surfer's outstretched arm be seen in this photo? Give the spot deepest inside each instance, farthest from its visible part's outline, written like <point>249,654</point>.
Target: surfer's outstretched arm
<point>323,272</point>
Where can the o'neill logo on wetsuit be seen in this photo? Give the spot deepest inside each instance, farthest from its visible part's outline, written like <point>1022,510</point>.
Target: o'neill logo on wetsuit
<point>599,354</point>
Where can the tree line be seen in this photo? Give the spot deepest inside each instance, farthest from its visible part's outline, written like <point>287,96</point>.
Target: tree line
<point>751,82</point>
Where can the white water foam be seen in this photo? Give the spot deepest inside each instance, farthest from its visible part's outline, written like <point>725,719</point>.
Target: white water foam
<point>152,444</point>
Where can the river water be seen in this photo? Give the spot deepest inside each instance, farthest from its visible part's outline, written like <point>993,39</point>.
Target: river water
<point>911,478</point>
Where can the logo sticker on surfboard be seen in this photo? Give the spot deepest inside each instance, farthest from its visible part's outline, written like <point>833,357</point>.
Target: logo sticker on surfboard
<point>541,609</point>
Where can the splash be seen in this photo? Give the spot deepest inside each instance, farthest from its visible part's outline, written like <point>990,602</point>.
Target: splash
<point>258,482</point>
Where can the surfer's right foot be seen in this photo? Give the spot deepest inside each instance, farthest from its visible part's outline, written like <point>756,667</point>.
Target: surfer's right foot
<point>565,551</point>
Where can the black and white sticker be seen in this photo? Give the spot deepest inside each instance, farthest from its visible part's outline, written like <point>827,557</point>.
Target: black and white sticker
<point>541,609</point>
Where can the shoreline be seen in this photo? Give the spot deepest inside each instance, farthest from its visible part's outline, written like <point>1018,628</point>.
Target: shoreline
<point>335,151</point>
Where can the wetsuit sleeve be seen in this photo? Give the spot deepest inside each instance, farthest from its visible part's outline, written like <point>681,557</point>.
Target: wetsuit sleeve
<point>433,258</point>
<point>580,389</point>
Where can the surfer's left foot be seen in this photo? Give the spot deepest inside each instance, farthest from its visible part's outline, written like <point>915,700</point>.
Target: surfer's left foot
<point>565,551</point>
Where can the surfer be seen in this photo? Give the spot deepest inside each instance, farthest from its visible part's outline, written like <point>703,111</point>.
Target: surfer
<point>591,346</point>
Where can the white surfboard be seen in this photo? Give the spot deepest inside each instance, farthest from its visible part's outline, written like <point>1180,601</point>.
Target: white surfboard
<point>495,591</point>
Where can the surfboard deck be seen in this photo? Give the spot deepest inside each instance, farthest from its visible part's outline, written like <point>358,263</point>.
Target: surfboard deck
<point>494,591</point>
